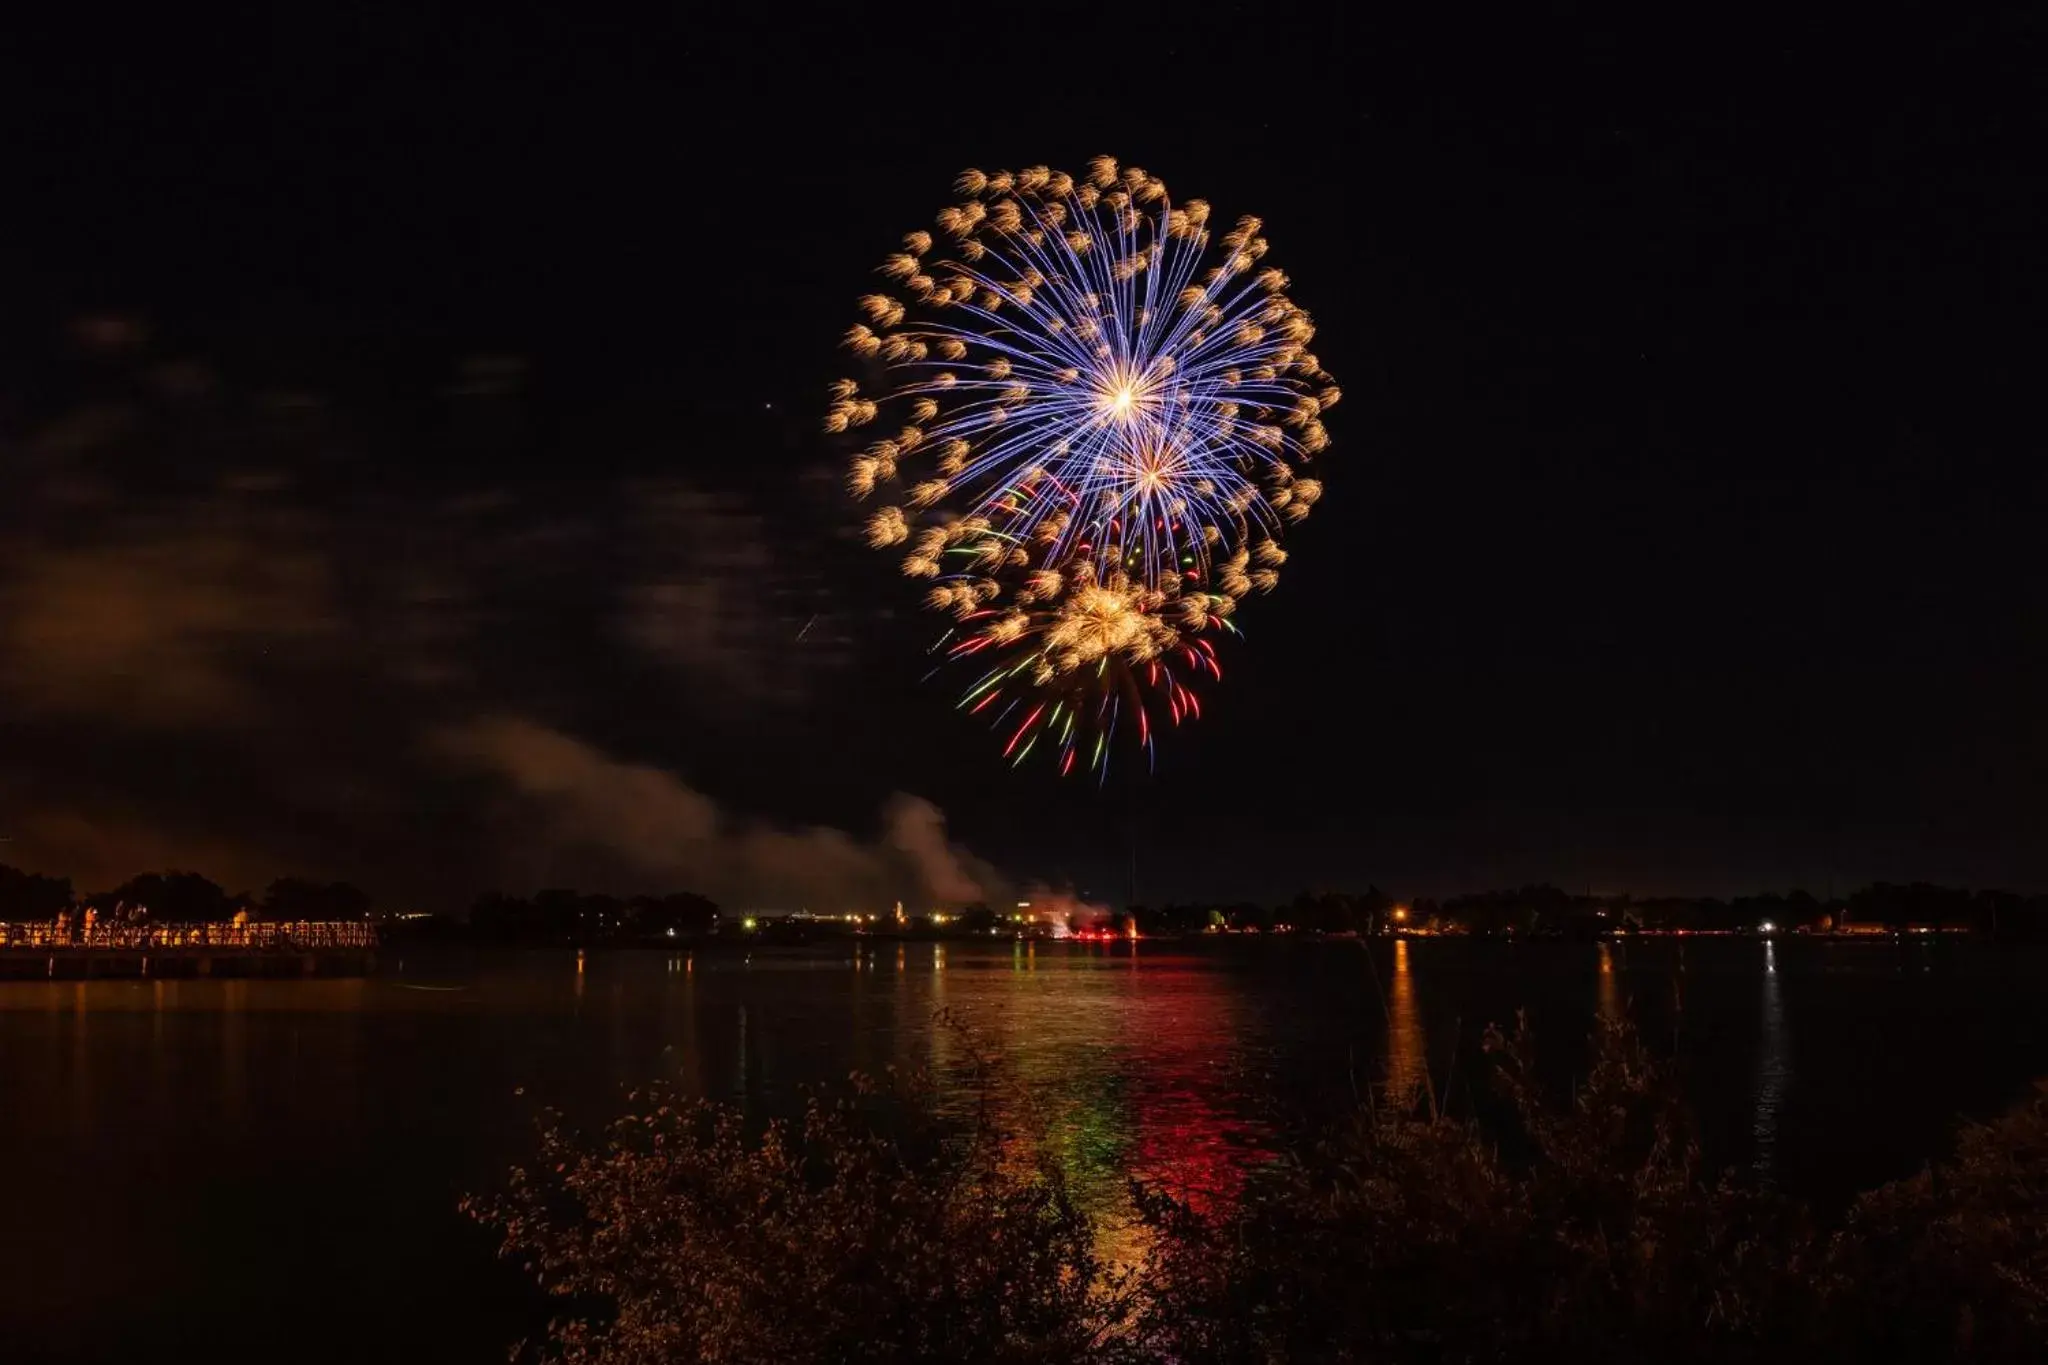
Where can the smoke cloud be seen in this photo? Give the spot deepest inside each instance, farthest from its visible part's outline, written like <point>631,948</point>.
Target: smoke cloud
<point>1062,907</point>
<point>586,809</point>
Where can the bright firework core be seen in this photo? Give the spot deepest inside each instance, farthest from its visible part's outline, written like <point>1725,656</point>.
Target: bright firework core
<point>1092,417</point>
<point>1151,472</point>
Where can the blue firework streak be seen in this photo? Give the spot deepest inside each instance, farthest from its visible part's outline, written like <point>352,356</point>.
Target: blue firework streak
<point>1095,413</point>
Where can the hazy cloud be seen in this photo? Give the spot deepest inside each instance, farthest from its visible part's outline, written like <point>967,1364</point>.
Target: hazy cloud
<point>103,849</point>
<point>705,593</point>
<point>162,629</point>
<point>239,636</point>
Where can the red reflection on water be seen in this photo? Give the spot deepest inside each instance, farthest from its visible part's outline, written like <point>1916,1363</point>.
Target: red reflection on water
<point>1125,1066</point>
<point>1185,1138</point>
<point>1187,1145</point>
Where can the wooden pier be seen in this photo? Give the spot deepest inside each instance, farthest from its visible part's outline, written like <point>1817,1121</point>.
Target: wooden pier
<point>46,952</point>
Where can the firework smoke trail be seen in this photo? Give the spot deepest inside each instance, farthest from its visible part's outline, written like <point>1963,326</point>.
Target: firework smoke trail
<point>1094,412</point>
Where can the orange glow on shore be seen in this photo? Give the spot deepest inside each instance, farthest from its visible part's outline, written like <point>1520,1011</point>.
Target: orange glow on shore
<point>259,934</point>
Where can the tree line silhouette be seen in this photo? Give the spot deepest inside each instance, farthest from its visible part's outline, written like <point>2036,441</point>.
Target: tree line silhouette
<point>1549,911</point>
<point>562,916</point>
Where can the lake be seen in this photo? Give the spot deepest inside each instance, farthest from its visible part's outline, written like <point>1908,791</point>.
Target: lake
<point>241,1170</point>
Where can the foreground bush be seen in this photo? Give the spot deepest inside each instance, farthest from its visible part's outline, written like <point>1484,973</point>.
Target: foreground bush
<point>1953,1264</point>
<point>861,1232</point>
<point>1586,1231</point>
<point>1405,1237</point>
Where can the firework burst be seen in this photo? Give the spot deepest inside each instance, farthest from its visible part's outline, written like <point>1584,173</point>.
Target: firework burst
<point>1062,673</point>
<point>1086,413</point>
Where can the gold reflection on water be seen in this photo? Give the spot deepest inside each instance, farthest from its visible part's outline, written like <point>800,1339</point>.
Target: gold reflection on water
<point>81,1057</point>
<point>234,1050</point>
<point>906,1016</point>
<point>739,1078</point>
<point>862,1035</point>
<point>943,1029</point>
<point>159,1059</point>
<point>1609,1001</point>
<point>1407,1054</point>
<point>692,1060</point>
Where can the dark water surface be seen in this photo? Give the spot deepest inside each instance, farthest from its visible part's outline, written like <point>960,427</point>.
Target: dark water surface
<point>245,1171</point>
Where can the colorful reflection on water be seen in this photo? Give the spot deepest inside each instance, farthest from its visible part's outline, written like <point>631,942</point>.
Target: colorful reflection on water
<point>1105,1080</point>
<point>168,1138</point>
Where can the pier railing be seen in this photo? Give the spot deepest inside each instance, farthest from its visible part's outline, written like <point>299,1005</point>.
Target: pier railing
<point>256,936</point>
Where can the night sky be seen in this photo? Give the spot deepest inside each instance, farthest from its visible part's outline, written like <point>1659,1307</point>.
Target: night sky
<point>412,469</point>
